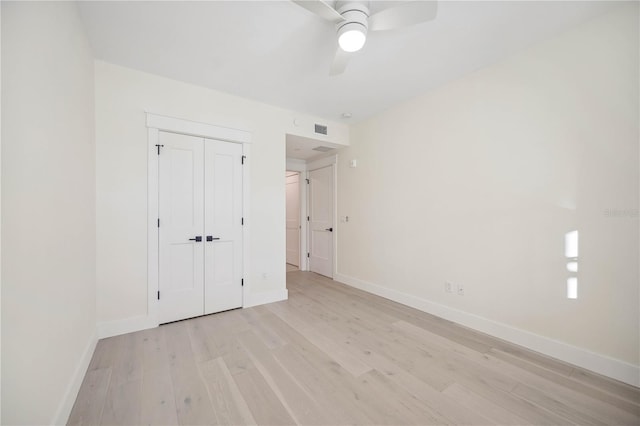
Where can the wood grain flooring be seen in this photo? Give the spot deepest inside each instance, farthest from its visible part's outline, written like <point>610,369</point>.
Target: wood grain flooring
<point>334,355</point>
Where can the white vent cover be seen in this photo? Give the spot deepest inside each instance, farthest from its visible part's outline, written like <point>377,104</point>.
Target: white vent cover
<point>321,129</point>
<point>322,148</point>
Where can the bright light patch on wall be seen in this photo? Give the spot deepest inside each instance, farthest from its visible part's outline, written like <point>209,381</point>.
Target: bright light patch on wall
<point>571,253</point>
<point>571,244</point>
<point>572,288</point>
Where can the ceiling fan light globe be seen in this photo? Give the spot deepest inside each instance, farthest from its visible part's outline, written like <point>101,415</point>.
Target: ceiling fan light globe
<point>352,40</point>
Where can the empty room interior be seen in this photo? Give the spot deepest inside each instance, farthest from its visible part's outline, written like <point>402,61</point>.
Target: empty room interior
<point>320,212</point>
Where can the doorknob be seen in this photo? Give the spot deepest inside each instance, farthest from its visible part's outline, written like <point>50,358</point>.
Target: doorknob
<point>197,239</point>
<point>329,229</point>
<point>210,238</point>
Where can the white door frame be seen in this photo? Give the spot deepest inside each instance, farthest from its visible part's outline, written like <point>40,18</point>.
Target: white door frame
<point>155,124</point>
<point>330,161</point>
<point>300,222</point>
<point>301,167</point>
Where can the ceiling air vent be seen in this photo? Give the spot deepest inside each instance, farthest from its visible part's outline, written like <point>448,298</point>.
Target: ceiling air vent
<point>322,148</point>
<point>320,129</point>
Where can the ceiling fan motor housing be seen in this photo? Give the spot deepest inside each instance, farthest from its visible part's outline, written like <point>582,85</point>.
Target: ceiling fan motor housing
<point>352,32</point>
<point>355,16</point>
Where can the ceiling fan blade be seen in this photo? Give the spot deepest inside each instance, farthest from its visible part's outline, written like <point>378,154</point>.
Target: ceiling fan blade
<point>321,8</point>
<point>403,15</point>
<point>340,62</point>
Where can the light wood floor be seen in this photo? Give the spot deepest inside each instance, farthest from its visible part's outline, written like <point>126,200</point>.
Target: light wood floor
<point>334,355</point>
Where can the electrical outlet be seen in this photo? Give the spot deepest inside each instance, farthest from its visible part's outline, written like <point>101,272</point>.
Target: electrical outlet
<point>460,289</point>
<point>448,287</point>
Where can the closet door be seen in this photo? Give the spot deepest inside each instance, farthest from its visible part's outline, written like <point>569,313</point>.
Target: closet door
<point>223,226</point>
<point>181,263</point>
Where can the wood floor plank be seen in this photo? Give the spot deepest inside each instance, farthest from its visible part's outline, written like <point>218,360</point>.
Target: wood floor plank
<point>554,405</point>
<point>327,345</point>
<point>482,406</point>
<point>123,404</point>
<point>332,354</point>
<point>571,403</point>
<point>192,402</point>
<point>311,368</point>
<point>154,350</point>
<point>371,347</point>
<point>129,360</point>
<point>299,404</point>
<point>401,406</point>
<point>269,336</point>
<point>203,347</point>
<point>264,404</point>
<point>106,353</point>
<point>228,404</point>
<point>568,383</point>
<point>622,390</point>
<point>378,306</point>
<point>158,406</point>
<point>88,407</point>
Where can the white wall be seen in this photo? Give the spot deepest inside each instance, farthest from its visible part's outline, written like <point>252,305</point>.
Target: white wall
<point>48,216</point>
<point>476,183</point>
<point>0,215</point>
<point>122,96</point>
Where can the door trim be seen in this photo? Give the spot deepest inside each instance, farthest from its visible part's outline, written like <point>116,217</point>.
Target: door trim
<point>156,123</point>
<point>301,167</point>
<point>330,161</point>
<point>301,181</point>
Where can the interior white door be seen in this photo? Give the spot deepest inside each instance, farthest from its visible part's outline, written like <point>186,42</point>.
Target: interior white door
<point>321,221</point>
<point>181,178</point>
<point>223,226</point>
<point>293,218</point>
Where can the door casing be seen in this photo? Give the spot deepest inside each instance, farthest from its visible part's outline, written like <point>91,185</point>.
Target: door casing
<point>293,256</point>
<point>156,123</point>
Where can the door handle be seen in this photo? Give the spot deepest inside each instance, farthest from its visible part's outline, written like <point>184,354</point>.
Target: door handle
<point>210,238</point>
<point>329,229</point>
<point>197,239</point>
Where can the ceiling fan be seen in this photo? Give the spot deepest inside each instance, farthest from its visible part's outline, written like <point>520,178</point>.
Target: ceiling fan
<point>353,22</point>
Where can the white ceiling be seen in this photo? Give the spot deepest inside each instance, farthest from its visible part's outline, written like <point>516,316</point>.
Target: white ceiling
<point>279,53</point>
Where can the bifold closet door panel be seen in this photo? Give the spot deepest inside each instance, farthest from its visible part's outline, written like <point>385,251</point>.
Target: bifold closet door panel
<point>223,226</point>
<point>181,208</point>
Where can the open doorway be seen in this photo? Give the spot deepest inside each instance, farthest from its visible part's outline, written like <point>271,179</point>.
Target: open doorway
<point>293,216</point>
<point>310,211</point>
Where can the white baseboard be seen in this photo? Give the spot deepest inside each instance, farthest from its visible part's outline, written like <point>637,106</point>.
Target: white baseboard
<point>144,322</point>
<point>69,398</point>
<point>601,364</point>
<point>255,299</point>
<point>124,326</point>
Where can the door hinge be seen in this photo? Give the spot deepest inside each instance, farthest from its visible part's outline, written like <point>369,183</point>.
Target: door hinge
<point>307,218</point>
<point>243,158</point>
<point>242,282</point>
<point>242,221</point>
<point>308,255</point>
<point>159,146</point>
<point>308,181</point>
<point>158,222</point>
<point>158,294</point>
